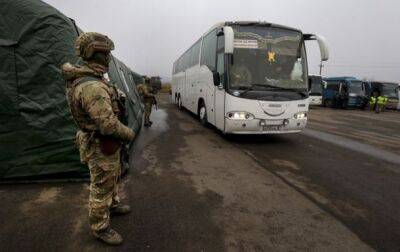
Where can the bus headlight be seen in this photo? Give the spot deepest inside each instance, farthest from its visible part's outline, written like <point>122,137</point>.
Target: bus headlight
<point>300,115</point>
<point>239,115</point>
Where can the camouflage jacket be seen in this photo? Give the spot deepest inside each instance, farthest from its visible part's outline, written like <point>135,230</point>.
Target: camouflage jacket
<point>145,92</point>
<point>93,103</point>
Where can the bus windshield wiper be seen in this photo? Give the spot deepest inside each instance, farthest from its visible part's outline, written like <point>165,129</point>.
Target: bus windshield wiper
<point>294,89</point>
<point>251,87</point>
<point>297,90</point>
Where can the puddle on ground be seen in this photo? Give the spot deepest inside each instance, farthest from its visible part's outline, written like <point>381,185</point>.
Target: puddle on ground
<point>159,127</point>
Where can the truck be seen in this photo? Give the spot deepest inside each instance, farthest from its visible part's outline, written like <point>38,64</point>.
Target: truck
<point>344,92</point>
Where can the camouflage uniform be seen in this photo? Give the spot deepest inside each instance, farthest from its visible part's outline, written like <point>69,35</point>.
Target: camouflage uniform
<point>148,99</point>
<point>94,107</point>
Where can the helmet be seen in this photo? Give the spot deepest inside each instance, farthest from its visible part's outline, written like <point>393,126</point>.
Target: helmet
<point>90,42</point>
<point>146,79</point>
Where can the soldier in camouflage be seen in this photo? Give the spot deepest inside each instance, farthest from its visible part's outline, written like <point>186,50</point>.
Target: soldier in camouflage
<point>145,91</point>
<point>94,107</point>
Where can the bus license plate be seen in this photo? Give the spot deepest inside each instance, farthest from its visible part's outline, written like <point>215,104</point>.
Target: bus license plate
<point>272,128</point>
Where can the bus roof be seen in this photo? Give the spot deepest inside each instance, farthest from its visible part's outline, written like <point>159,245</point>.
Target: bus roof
<point>384,82</point>
<point>262,23</point>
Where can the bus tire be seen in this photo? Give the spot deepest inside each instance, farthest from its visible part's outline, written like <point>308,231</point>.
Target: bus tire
<point>203,114</point>
<point>180,103</point>
<point>329,103</point>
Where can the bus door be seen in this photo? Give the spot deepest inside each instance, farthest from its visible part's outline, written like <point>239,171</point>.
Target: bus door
<point>191,86</point>
<point>183,89</point>
<point>219,91</point>
<point>341,91</point>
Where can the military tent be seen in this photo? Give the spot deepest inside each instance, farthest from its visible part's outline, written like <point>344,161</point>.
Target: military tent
<point>36,129</point>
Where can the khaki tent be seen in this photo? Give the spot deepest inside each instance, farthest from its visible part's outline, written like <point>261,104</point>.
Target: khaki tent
<point>36,129</point>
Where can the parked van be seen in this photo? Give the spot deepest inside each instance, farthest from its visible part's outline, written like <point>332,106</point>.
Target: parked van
<point>344,92</point>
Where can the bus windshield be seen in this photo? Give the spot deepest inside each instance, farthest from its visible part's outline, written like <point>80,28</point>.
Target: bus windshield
<point>267,58</point>
<point>355,87</point>
<point>389,90</point>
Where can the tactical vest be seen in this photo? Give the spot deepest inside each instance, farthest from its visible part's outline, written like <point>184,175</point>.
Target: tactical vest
<point>80,116</point>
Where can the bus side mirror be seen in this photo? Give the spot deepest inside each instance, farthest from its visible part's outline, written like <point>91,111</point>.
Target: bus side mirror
<point>216,78</point>
<point>323,46</point>
<point>229,37</point>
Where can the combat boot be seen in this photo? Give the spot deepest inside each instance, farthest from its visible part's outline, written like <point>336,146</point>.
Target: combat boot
<point>109,236</point>
<point>120,210</point>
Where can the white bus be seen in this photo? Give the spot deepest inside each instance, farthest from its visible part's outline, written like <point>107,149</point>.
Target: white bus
<point>247,78</point>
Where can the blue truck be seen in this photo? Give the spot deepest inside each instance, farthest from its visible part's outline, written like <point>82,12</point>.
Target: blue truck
<point>344,92</point>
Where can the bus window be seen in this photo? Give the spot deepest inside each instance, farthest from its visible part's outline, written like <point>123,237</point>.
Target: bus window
<point>221,67</point>
<point>186,60</point>
<point>220,58</point>
<point>333,86</point>
<point>355,87</point>
<point>194,58</point>
<point>208,52</point>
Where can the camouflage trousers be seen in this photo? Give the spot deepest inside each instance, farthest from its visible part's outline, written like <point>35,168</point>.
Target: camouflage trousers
<point>104,174</point>
<point>147,111</point>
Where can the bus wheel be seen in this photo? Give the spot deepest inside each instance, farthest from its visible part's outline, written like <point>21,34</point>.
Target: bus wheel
<point>203,114</point>
<point>179,103</point>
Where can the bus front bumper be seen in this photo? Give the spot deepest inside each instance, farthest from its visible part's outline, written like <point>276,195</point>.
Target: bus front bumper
<point>392,104</point>
<point>261,126</point>
<point>315,101</point>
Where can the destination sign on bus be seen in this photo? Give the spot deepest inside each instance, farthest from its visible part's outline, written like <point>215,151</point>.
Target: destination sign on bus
<point>245,43</point>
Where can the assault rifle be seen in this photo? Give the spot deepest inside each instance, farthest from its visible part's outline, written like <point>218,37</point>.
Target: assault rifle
<point>123,118</point>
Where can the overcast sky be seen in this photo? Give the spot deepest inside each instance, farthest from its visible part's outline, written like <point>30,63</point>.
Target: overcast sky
<point>363,35</point>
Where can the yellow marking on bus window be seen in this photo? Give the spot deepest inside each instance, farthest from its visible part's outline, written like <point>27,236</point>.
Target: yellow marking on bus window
<point>271,57</point>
